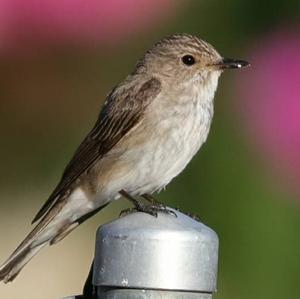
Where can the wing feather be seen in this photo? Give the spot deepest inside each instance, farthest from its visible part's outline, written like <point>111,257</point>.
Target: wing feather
<point>120,113</point>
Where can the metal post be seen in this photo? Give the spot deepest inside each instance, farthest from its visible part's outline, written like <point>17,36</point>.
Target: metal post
<point>140,256</point>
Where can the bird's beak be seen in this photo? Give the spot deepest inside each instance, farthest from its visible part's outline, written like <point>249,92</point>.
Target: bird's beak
<point>228,63</point>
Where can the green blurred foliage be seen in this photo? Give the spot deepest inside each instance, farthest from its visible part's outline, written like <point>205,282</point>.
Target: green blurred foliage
<point>49,102</point>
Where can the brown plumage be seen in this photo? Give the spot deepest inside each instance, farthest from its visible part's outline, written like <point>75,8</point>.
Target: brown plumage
<point>150,127</point>
<point>120,113</point>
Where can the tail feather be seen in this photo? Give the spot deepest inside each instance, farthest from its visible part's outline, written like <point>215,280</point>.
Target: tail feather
<point>11,268</point>
<point>48,231</point>
<point>38,238</point>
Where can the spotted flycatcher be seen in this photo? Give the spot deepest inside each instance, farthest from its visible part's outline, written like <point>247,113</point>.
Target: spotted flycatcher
<point>150,127</point>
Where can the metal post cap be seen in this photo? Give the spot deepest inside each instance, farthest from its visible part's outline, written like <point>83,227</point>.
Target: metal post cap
<point>139,251</point>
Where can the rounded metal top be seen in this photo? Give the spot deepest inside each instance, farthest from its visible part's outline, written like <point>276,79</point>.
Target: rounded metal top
<point>167,252</point>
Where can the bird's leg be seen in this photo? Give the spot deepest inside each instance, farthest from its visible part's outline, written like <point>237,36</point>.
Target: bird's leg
<point>138,206</point>
<point>156,204</point>
<point>133,200</point>
<point>151,209</point>
<point>152,200</point>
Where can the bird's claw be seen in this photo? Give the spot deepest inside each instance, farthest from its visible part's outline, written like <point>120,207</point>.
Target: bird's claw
<point>191,215</point>
<point>152,210</point>
<point>194,216</point>
<point>160,208</point>
<point>127,212</point>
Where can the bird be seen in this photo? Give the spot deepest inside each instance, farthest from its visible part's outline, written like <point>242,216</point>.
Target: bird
<point>149,128</point>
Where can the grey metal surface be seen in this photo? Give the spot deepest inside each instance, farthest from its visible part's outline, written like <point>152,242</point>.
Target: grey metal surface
<point>167,253</point>
<point>150,294</point>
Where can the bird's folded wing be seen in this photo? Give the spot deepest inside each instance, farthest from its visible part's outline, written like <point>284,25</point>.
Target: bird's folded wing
<point>120,113</point>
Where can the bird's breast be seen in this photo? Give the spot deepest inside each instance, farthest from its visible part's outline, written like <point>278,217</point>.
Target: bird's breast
<point>172,135</point>
<point>158,148</point>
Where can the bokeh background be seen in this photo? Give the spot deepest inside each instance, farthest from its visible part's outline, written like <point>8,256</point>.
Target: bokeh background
<point>58,60</point>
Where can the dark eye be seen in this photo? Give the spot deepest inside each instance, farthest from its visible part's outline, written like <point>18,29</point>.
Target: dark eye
<point>188,59</point>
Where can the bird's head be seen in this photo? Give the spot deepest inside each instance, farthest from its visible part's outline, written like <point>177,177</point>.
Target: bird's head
<point>182,58</point>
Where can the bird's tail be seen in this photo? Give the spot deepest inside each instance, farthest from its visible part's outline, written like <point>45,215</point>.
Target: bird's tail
<point>14,264</point>
<point>45,233</point>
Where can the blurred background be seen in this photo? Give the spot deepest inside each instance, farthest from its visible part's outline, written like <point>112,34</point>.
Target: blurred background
<point>58,60</point>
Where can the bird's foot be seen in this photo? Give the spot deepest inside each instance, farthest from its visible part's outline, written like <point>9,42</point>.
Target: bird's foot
<point>126,212</point>
<point>155,203</point>
<point>191,215</point>
<point>194,216</point>
<point>152,210</point>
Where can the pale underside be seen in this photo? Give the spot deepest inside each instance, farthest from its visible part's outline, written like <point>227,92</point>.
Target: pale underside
<point>153,152</point>
<point>147,132</point>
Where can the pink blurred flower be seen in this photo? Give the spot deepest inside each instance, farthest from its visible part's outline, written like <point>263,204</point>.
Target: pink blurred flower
<point>24,22</point>
<point>269,103</point>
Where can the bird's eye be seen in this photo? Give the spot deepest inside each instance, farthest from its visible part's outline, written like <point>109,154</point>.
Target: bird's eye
<point>188,59</point>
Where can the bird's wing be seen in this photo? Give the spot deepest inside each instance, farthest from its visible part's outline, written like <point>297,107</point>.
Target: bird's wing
<point>120,113</point>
